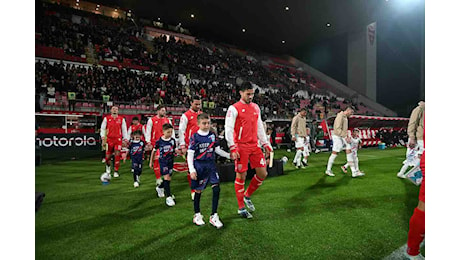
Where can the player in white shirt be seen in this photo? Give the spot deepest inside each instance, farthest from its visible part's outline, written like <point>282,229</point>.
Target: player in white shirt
<point>355,145</point>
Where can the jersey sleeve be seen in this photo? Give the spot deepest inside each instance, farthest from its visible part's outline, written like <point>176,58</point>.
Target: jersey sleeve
<point>190,157</point>
<point>230,120</point>
<point>192,145</point>
<point>262,136</point>
<point>129,131</point>
<point>124,131</point>
<point>103,127</point>
<point>157,145</point>
<point>182,128</point>
<point>148,131</point>
<point>294,126</point>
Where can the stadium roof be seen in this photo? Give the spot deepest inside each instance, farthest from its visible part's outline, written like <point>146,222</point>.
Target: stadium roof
<point>267,23</point>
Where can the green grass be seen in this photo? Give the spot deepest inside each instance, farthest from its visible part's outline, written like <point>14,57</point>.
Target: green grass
<point>303,214</point>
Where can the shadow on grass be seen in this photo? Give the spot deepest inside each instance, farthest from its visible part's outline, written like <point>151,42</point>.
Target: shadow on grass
<point>103,221</point>
<point>297,203</point>
<point>411,200</point>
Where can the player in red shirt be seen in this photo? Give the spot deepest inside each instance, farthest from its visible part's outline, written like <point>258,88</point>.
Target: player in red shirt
<point>416,232</point>
<point>187,127</point>
<point>114,135</point>
<point>136,125</point>
<point>153,132</point>
<point>243,131</point>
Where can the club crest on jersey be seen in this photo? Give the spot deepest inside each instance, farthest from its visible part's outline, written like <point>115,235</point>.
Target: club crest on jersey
<point>243,110</point>
<point>191,117</point>
<point>212,138</point>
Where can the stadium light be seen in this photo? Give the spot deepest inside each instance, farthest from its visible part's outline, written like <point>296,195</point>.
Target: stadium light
<point>159,19</point>
<point>244,30</point>
<point>283,42</point>
<point>328,25</point>
<point>286,8</point>
<point>192,15</point>
<point>116,10</point>
<point>76,4</point>
<point>98,5</point>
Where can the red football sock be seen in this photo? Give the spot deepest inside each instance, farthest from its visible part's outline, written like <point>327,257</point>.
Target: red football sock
<point>156,168</point>
<point>107,158</point>
<point>416,232</point>
<point>117,162</point>
<point>239,189</point>
<point>253,186</point>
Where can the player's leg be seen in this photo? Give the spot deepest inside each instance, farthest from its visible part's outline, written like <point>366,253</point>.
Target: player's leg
<point>299,149</point>
<point>241,167</point>
<point>336,148</point>
<point>214,218</point>
<point>416,232</point>
<point>108,154</point>
<point>117,159</point>
<point>402,171</point>
<point>258,162</point>
<point>305,153</point>
<point>167,186</point>
<point>156,168</point>
<point>195,185</point>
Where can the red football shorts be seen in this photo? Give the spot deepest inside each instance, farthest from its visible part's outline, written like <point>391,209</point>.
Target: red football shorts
<point>113,145</point>
<point>252,154</point>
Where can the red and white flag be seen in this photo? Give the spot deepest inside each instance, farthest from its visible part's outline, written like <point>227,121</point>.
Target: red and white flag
<point>325,128</point>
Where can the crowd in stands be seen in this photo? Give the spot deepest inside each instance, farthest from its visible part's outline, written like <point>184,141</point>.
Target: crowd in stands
<point>176,70</point>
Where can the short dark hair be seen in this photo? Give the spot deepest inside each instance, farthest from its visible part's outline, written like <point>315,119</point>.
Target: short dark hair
<point>350,107</point>
<point>137,132</point>
<point>167,126</point>
<point>202,116</point>
<point>246,85</point>
<point>135,118</point>
<point>195,97</point>
<point>303,109</point>
<point>356,130</point>
<point>159,107</point>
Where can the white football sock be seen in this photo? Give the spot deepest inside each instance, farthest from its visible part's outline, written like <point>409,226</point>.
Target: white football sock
<point>351,162</point>
<point>403,169</point>
<point>297,157</point>
<point>331,160</point>
<point>346,165</point>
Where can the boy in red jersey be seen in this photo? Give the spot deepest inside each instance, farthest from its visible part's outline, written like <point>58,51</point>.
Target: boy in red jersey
<point>114,135</point>
<point>187,127</point>
<point>243,130</point>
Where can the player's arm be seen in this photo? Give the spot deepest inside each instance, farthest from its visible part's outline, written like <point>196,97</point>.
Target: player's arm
<point>182,128</point>
<point>294,128</point>
<point>148,132</point>
<point>152,157</point>
<point>130,132</point>
<point>222,153</point>
<point>230,120</point>
<point>412,127</point>
<point>338,125</point>
<point>191,167</point>
<point>261,134</point>
<point>103,131</point>
<point>124,131</point>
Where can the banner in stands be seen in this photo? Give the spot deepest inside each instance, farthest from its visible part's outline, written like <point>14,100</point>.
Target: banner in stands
<point>68,146</point>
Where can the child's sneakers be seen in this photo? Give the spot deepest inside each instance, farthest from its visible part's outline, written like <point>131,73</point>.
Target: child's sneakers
<point>160,192</point>
<point>116,175</point>
<point>344,169</point>
<point>170,201</point>
<point>198,219</point>
<point>136,184</point>
<point>215,221</point>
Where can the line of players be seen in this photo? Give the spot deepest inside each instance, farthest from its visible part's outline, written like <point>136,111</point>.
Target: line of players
<point>244,133</point>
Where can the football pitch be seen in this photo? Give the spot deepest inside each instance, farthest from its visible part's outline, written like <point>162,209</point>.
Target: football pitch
<point>303,214</point>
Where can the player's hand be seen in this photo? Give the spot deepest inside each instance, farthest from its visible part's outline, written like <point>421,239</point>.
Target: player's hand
<point>148,147</point>
<point>293,138</point>
<point>124,143</point>
<point>193,176</point>
<point>156,157</point>
<point>234,155</point>
<point>151,165</point>
<point>412,143</point>
<point>104,142</point>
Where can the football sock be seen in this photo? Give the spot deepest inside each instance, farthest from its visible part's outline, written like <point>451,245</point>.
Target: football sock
<point>215,198</point>
<point>351,162</point>
<point>331,160</point>
<point>107,159</point>
<point>134,176</point>
<point>239,189</point>
<point>162,185</point>
<point>416,232</point>
<point>117,162</point>
<point>196,202</point>
<point>297,157</point>
<point>404,168</point>
<point>253,186</point>
<point>167,188</point>
<point>305,160</point>
<point>346,165</point>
